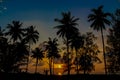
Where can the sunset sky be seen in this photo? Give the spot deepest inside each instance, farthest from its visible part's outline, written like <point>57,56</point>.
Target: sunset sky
<point>41,13</point>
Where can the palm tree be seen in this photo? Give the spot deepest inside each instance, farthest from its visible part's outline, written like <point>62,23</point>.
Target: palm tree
<point>77,42</point>
<point>12,55</point>
<point>99,20</point>
<point>31,37</point>
<point>52,52</point>
<point>38,54</point>
<point>66,29</point>
<point>22,50</point>
<point>15,30</point>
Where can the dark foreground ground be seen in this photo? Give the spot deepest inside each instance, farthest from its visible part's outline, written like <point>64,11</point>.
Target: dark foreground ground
<point>24,76</point>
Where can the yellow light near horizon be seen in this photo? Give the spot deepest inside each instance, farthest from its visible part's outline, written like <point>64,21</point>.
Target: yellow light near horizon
<point>59,66</point>
<point>59,73</point>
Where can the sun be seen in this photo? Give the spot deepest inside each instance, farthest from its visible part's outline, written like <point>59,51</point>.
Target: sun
<point>59,73</point>
<point>59,66</point>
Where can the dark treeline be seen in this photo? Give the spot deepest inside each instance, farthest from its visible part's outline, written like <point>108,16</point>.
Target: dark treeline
<point>80,50</point>
<point>24,76</point>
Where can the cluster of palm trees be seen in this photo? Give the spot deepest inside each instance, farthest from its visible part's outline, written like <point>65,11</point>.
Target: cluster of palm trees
<point>67,31</point>
<point>52,51</point>
<point>20,39</point>
<point>70,34</point>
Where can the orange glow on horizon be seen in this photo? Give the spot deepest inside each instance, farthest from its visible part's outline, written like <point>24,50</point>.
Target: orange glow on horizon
<point>59,73</point>
<point>59,66</point>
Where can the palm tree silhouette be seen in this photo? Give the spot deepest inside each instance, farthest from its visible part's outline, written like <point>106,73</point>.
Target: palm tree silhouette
<point>12,56</point>
<point>99,20</point>
<point>3,52</point>
<point>38,54</point>
<point>66,29</point>
<point>20,53</point>
<point>31,36</point>
<point>15,30</point>
<point>77,41</point>
<point>22,50</point>
<point>52,52</point>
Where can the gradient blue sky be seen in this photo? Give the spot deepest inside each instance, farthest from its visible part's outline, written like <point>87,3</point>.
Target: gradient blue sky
<point>41,13</point>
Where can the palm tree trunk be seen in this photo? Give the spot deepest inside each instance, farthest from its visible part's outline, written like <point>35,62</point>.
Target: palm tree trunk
<point>77,72</point>
<point>28,59</point>
<point>50,65</point>
<point>84,72</point>
<point>53,65</point>
<point>36,65</point>
<point>85,64</point>
<point>104,51</point>
<point>68,57</point>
